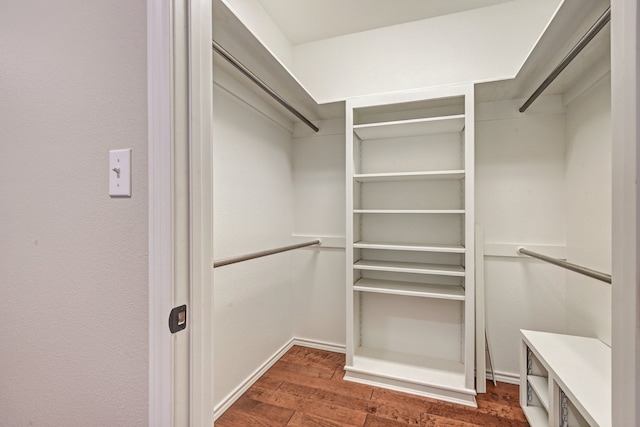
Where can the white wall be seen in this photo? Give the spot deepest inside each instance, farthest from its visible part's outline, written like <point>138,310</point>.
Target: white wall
<point>274,184</point>
<point>253,210</point>
<point>520,200</point>
<point>484,44</point>
<point>319,205</point>
<point>544,178</point>
<point>260,24</point>
<point>589,174</point>
<point>73,261</point>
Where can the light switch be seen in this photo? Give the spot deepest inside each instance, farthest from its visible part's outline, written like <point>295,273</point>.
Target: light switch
<point>120,172</point>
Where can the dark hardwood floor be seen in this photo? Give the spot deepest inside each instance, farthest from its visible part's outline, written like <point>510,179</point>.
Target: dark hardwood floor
<point>305,388</point>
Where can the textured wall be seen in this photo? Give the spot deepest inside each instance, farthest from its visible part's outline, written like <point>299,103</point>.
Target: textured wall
<point>73,261</point>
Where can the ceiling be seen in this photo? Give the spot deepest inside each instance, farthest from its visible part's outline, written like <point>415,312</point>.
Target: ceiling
<point>304,21</point>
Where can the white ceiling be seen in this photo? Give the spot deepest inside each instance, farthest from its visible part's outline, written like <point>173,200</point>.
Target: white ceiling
<point>304,21</point>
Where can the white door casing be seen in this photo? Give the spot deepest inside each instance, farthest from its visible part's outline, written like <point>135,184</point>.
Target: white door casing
<point>201,210</point>
<point>159,135</point>
<point>179,108</point>
<point>625,214</point>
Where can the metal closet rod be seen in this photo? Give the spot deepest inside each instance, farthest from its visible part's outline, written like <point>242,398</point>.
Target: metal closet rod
<point>254,255</point>
<point>589,35</point>
<point>244,70</point>
<point>569,266</point>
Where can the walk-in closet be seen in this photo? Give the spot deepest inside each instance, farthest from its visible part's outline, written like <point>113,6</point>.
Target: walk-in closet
<point>382,190</point>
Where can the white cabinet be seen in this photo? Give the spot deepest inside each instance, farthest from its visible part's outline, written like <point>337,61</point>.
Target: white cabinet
<point>410,274</point>
<point>565,380</point>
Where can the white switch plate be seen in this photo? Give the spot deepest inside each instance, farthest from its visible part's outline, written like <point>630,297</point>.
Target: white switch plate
<point>120,172</point>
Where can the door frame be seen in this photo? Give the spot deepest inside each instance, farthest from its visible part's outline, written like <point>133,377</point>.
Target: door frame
<point>159,146</point>
<point>179,73</point>
<point>626,323</point>
<point>625,67</point>
<point>201,209</point>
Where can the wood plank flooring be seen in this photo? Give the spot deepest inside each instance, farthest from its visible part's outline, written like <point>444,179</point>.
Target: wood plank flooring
<point>305,388</point>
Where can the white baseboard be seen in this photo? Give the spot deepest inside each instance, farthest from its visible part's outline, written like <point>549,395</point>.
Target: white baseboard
<point>248,382</point>
<point>219,409</point>
<point>505,377</point>
<point>319,345</point>
<point>229,400</point>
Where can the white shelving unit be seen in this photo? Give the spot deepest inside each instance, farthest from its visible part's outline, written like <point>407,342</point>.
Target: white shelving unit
<point>565,380</point>
<point>410,240</point>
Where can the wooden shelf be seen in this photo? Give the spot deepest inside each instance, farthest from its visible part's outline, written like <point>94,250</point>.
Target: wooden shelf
<point>423,290</point>
<point>540,386</point>
<point>410,176</point>
<point>424,247</point>
<point>408,211</point>
<point>536,416</point>
<point>410,267</point>
<point>415,127</point>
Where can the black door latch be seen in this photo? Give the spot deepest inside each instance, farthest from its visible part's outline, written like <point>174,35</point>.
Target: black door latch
<point>178,319</point>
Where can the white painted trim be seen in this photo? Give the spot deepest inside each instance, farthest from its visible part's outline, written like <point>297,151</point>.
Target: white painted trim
<point>461,396</point>
<point>159,134</point>
<point>201,212</point>
<point>546,105</point>
<point>625,66</point>
<point>327,241</point>
<point>601,70</point>
<point>320,345</point>
<point>469,135</point>
<point>480,333</point>
<point>251,379</point>
<point>505,377</point>
<point>511,250</point>
<point>232,397</point>
<point>333,126</point>
<point>248,95</point>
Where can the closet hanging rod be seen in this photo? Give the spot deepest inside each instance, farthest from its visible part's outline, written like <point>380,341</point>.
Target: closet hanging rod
<point>589,35</point>
<point>247,257</point>
<point>262,85</point>
<point>569,266</point>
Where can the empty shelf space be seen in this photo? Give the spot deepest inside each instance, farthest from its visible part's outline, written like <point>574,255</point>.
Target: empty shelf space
<point>408,211</point>
<point>458,249</point>
<point>411,267</point>
<point>409,367</point>
<point>414,127</point>
<point>540,386</point>
<point>414,289</point>
<point>410,176</point>
<point>536,416</point>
